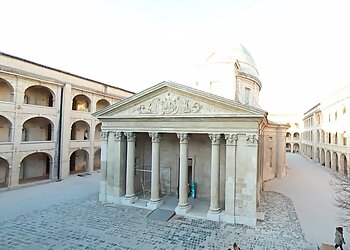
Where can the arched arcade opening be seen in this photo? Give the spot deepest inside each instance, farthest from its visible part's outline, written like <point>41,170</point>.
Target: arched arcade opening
<point>5,129</point>
<point>78,161</point>
<point>4,173</point>
<point>39,95</point>
<point>101,104</point>
<point>80,131</point>
<point>97,160</point>
<point>6,91</point>
<point>37,129</point>
<point>35,167</point>
<point>81,103</point>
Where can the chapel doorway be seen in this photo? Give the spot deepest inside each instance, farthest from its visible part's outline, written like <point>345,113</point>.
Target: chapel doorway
<point>190,174</point>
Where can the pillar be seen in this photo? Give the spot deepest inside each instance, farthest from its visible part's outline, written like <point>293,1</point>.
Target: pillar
<point>130,196</point>
<point>183,207</point>
<point>103,180</point>
<point>214,209</point>
<point>155,200</point>
<point>230,185</point>
<point>246,186</point>
<point>119,166</point>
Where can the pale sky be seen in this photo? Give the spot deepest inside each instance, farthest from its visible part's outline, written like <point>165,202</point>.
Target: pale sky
<point>301,47</point>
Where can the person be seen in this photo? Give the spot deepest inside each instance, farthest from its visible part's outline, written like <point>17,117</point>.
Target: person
<point>235,246</point>
<point>339,238</point>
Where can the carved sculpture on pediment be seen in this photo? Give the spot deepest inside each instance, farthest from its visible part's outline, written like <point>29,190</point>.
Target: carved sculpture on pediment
<point>170,105</point>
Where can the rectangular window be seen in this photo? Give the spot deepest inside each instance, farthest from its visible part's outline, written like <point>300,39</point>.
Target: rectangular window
<point>246,95</point>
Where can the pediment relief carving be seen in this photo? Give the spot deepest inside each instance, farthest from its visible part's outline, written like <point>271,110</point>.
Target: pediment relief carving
<point>170,104</point>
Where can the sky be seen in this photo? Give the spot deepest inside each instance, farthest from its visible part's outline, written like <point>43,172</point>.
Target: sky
<point>301,47</point>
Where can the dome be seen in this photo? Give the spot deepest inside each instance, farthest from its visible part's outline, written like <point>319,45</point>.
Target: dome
<point>231,54</point>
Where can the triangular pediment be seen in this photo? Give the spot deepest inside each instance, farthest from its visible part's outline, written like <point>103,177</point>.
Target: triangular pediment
<point>172,99</point>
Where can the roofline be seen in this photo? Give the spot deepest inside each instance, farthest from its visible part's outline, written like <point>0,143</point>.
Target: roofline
<point>312,108</point>
<point>64,72</point>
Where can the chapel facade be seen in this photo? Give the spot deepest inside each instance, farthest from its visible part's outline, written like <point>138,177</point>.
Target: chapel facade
<point>164,140</point>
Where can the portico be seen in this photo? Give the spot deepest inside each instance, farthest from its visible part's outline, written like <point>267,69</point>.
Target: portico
<point>169,124</point>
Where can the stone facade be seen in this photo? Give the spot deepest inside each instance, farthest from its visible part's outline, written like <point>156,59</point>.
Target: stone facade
<point>46,127</point>
<point>197,137</point>
<point>325,138</point>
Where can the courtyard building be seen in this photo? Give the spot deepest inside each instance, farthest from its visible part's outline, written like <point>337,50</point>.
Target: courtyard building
<point>173,140</point>
<point>326,132</point>
<point>46,127</point>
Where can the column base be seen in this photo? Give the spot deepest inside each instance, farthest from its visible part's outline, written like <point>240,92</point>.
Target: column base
<point>102,197</point>
<point>214,215</point>
<point>129,200</point>
<point>154,204</point>
<point>180,210</point>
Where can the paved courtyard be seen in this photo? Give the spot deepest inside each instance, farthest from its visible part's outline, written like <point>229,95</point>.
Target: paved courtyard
<point>308,185</point>
<point>67,215</point>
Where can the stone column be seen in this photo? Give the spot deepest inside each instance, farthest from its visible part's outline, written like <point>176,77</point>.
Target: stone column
<point>214,209</point>
<point>280,153</point>
<point>103,181</point>
<point>155,200</point>
<point>183,207</point>
<point>231,147</point>
<point>130,197</point>
<point>118,155</point>
<point>110,164</point>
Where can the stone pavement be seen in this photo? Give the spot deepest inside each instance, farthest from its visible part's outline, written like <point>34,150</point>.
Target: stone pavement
<point>84,223</point>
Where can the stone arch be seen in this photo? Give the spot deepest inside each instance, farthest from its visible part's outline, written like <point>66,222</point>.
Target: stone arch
<point>322,157</point>
<point>6,91</point>
<point>296,148</point>
<point>37,129</point>
<point>4,173</point>
<point>288,135</point>
<point>97,159</point>
<point>5,129</point>
<point>318,137</point>
<point>35,167</point>
<point>98,131</point>
<point>335,162</point>
<point>39,95</point>
<point>344,165</point>
<point>80,131</point>
<point>296,136</point>
<point>102,103</point>
<point>78,161</point>
<point>328,159</point>
<point>288,147</point>
<point>81,103</point>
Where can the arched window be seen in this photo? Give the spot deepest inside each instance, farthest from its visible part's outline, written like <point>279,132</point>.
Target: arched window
<point>6,91</point>
<point>38,95</point>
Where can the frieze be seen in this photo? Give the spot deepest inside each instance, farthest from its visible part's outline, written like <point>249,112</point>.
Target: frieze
<point>170,105</point>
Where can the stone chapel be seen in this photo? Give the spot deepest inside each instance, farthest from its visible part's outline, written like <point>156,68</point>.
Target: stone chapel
<point>169,141</point>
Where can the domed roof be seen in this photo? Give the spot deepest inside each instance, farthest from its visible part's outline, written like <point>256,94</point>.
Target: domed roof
<point>231,54</point>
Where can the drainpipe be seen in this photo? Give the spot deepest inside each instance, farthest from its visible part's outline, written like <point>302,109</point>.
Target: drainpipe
<point>59,137</point>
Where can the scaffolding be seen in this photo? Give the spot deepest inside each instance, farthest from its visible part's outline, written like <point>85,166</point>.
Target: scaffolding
<point>143,175</point>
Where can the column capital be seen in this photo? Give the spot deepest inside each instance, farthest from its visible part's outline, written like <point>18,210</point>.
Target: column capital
<point>118,136</point>
<point>104,135</point>
<point>252,138</point>
<point>215,138</point>
<point>231,139</point>
<point>183,137</point>
<point>155,137</point>
<point>130,136</point>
